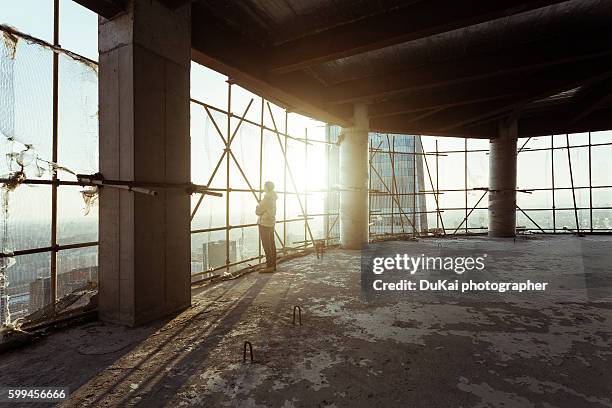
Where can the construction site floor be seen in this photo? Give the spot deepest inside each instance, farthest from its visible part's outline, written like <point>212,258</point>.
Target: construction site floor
<point>547,350</point>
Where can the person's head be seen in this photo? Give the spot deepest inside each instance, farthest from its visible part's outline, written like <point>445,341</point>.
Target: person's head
<point>268,186</point>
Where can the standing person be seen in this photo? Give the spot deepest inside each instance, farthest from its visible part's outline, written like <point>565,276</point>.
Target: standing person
<point>266,211</point>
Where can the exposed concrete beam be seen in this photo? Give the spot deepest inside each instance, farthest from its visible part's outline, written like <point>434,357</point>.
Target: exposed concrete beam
<point>558,121</point>
<point>105,8</point>
<point>467,93</point>
<point>397,124</point>
<point>221,48</point>
<point>553,121</point>
<point>590,99</point>
<point>407,23</point>
<point>393,108</point>
<point>451,96</point>
<point>544,85</point>
<point>529,58</point>
<point>261,87</point>
<point>111,8</point>
<point>174,4</point>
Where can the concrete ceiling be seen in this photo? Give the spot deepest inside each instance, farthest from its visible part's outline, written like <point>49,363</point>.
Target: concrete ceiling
<point>434,67</point>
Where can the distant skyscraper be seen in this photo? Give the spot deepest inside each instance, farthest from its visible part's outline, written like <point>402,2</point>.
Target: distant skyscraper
<point>395,184</point>
<point>214,253</point>
<point>40,293</point>
<point>398,175</point>
<point>67,282</point>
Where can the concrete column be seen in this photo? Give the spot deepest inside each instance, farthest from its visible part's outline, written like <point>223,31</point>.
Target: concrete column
<point>354,169</point>
<point>144,258</point>
<point>502,181</point>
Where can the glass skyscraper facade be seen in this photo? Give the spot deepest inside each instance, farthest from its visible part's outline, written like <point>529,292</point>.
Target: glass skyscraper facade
<point>397,200</point>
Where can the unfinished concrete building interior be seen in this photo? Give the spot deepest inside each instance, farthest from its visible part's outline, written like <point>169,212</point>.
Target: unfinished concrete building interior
<point>137,137</point>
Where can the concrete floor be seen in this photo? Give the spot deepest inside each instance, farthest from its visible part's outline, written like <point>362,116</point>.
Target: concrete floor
<point>501,350</point>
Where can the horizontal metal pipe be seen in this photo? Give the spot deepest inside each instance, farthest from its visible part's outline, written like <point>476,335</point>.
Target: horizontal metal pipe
<point>197,231</point>
<point>49,249</point>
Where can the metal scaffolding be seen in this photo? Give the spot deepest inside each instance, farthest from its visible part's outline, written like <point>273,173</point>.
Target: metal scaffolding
<point>446,227</point>
<point>255,182</point>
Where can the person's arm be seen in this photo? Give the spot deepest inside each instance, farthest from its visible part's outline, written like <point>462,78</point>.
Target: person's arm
<point>271,209</point>
<point>261,207</point>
